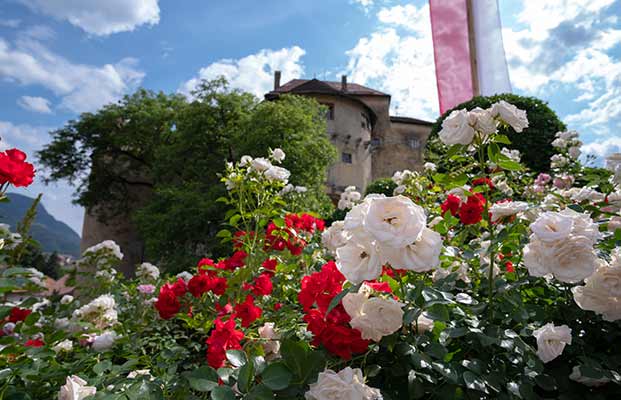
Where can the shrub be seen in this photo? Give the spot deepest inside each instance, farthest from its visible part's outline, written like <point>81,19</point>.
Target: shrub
<point>534,143</point>
<point>384,186</point>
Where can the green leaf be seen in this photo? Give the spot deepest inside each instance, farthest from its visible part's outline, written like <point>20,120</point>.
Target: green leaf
<point>337,299</point>
<point>492,152</point>
<point>546,382</point>
<point>224,233</point>
<point>504,139</point>
<point>276,376</point>
<point>102,366</point>
<point>509,165</point>
<point>236,357</point>
<point>245,377</point>
<point>260,392</point>
<point>474,382</point>
<point>202,379</point>
<point>222,393</point>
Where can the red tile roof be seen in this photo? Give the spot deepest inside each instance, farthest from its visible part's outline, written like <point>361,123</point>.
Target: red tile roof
<point>310,85</point>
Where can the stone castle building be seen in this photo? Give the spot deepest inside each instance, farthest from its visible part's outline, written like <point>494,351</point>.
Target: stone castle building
<point>370,142</point>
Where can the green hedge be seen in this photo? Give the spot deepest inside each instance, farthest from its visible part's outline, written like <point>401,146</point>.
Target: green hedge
<point>535,142</point>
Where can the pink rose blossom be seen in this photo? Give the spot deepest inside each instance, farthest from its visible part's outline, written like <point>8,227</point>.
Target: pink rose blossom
<point>146,289</point>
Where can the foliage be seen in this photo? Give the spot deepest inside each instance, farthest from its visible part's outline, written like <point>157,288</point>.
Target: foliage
<point>157,159</point>
<point>383,186</point>
<point>534,143</point>
<point>285,309</point>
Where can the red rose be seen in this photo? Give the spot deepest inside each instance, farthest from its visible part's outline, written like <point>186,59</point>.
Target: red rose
<point>14,169</point>
<point>380,286</point>
<point>179,287</point>
<point>199,284</point>
<point>237,260</point>
<point>224,310</point>
<point>247,311</point>
<point>483,181</point>
<point>18,314</point>
<point>270,265</point>
<point>277,306</point>
<point>34,343</point>
<point>167,303</point>
<point>320,287</point>
<point>343,341</point>
<point>205,262</point>
<point>471,211</point>
<point>223,337</point>
<point>451,204</point>
<point>262,285</point>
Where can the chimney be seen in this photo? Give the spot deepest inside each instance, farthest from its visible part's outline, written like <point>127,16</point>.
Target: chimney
<point>344,83</point>
<point>276,79</point>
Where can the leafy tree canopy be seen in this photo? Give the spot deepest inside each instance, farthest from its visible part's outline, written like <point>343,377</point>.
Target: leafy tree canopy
<point>157,158</point>
<point>534,143</point>
<point>385,186</point>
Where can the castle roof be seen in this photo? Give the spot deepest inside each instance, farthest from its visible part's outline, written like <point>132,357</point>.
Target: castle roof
<point>327,87</point>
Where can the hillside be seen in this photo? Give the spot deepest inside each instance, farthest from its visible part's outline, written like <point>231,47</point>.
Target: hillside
<point>53,235</point>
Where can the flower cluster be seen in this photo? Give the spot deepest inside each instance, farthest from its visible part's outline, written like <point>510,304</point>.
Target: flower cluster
<point>568,142</point>
<point>330,329</point>
<point>257,167</point>
<point>461,126</point>
<point>602,290</point>
<point>561,244</point>
<point>468,207</point>
<point>348,383</point>
<point>294,234</point>
<point>349,198</point>
<point>14,169</point>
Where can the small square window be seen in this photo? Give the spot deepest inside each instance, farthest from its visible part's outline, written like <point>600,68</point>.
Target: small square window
<point>346,158</point>
<point>414,143</point>
<point>329,111</point>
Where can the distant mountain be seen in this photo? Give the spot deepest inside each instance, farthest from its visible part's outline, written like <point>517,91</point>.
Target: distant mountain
<point>47,230</point>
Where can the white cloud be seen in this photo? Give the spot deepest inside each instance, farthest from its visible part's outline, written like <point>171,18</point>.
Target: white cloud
<point>401,65</point>
<point>25,137</point>
<point>603,148</point>
<point>565,45</point>
<point>100,17</point>
<point>365,4</point>
<point>36,104</point>
<point>10,23</point>
<point>81,87</point>
<point>253,73</point>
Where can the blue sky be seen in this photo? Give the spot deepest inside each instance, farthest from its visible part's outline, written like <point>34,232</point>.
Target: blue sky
<point>59,58</point>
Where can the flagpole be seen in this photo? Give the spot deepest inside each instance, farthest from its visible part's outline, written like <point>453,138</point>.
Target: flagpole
<point>473,50</point>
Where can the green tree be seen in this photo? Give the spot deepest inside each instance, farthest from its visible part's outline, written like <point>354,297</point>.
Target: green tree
<point>534,143</point>
<point>158,158</point>
<point>384,186</point>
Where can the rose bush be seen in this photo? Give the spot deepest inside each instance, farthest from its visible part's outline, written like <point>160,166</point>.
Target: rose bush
<point>487,282</point>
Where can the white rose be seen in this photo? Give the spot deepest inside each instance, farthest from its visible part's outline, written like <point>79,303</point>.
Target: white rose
<point>420,256</point>
<point>65,345</point>
<point>277,155</point>
<point>551,341</point>
<point>347,384</point>
<point>355,217</point>
<point>552,226</point>
<point>430,167</point>
<point>482,120</point>
<point>511,115</point>
<point>62,323</point>
<point>602,291</point>
<point>399,190</point>
<point>301,189</point>
<point>75,389</point>
<point>394,221</point>
<point>260,164</point>
<point>574,152</point>
<point>66,299</point>
<point>422,324</point>
<point>461,269</point>
<point>185,275</point>
<point>335,236</point>
<point>272,345</point>
<point>275,173</point>
<point>245,161</point>
<point>456,129</point>
<point>559,143</point>
<point>106,244</point>
<point>104,342</point>
<point>359,260</point>
<point>576,375</point>
<point>502,210</point>
<point>374,317</point>
<point>582,225</point>
<point>344,204</point>
<point>569,260</point>
<point>147,271</point>
<point>513,155</point>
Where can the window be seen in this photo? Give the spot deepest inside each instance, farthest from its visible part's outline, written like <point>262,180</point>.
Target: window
<point>346,158</point>
<point>365,123</point>
<point>414,143</point>
<point>329,111</point>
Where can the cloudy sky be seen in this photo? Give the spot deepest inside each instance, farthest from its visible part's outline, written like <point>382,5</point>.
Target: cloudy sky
<point>59,58</point>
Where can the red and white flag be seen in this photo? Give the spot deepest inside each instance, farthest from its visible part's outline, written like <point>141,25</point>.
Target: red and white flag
<point>468,50</point>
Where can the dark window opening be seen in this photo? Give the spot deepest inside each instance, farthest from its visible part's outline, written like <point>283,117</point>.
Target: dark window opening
<point>329,111</point>
<point>346,158</point>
